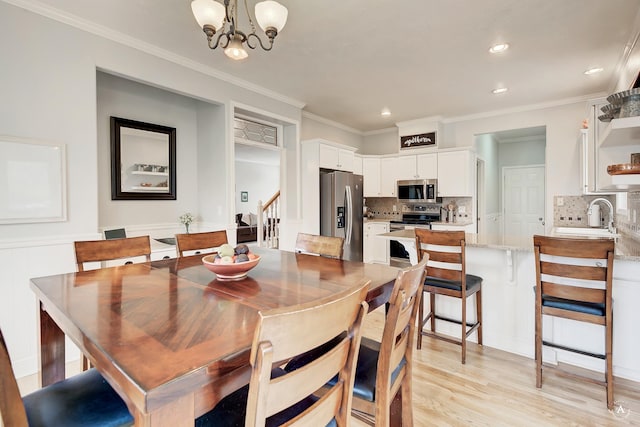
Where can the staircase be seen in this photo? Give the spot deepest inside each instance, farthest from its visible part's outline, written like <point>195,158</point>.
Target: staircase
<point>269,222</point>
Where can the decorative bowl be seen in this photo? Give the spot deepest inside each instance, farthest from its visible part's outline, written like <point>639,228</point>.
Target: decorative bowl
<point>234,271</point>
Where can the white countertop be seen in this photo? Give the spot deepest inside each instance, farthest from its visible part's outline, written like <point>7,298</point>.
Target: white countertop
<point>626,248</point>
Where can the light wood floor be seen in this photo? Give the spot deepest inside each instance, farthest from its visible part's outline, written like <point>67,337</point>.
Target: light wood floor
<point>496,388</point>
<point>493,388</point>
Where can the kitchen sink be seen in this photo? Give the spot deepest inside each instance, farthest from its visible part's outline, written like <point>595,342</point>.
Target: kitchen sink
<point>584,231</point>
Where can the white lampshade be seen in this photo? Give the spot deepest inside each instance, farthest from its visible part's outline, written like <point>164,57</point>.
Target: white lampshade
<point>236,50</point>
<point>208,12</point>
<point>271,14</point>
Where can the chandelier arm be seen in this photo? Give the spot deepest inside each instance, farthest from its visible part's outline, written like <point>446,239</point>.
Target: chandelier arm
<point>213,46</point>
<point>253,27</point>
<point>262,45</point>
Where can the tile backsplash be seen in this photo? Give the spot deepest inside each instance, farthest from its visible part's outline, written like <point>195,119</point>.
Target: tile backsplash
<point>571,211</point>
<point>383,207</point>
<point>630,223</point>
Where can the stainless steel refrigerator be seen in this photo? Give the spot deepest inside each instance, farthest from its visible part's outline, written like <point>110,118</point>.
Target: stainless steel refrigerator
<point>341,211</point>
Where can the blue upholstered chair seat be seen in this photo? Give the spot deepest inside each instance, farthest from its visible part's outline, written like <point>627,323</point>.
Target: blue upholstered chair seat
<point>578,306</point>
<point>453,284</point>
<point>83,400</point>
<point>231,411</point>
<point>364,385</point>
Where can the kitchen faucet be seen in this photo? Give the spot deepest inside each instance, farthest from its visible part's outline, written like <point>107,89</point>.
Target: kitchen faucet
<point>610,226</point>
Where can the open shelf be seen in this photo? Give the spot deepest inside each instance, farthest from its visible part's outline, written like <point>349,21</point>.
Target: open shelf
<point>150,173</point>
<point>621,132</point>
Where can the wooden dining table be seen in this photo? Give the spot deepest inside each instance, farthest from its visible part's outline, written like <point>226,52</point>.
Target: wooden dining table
<point>171,338</point>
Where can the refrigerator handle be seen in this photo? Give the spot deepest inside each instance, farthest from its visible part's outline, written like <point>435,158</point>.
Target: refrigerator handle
<point>349,215</point>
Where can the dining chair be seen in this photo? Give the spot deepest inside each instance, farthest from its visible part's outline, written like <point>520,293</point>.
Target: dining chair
<point>274,396</point>
<point>446,276</point>
<point>107,250</point>
<point>82,400</point>
<point>574,281</point>
<point>314,244</point>
<point>384,368</point>
<point>200,241</point>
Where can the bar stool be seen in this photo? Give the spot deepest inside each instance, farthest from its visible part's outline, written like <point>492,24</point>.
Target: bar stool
<point>573,281</point>
<point>446,275</point>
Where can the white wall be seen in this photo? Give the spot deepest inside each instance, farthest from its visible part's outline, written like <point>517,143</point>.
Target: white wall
<point>487,150</point>
<point>383,142</point>
<point>521,153</point>
<point>259,180</point>
<point>127,99</point>
<point>48,87</point>
<point>314,128</point>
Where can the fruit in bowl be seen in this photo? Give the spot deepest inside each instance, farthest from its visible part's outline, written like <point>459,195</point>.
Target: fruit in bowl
<point>231,263</point>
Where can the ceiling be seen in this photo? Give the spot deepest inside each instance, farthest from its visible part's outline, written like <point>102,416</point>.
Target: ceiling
<point>346,60</point>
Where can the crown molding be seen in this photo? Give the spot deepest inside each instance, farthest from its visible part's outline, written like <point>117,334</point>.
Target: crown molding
<point>123,39</point>
<point>524,108</point>
<point>329,122</point>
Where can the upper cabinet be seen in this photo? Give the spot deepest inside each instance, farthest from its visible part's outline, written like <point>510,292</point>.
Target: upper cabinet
<point>332,157</point>
<point>619,139</point>
<point>456,173</point>
<point>357,164</point>
<point>371,174</point>
<point>388,176</point>
<point>421,166</point>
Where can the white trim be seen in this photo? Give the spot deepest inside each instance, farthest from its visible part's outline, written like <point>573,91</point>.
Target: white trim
<point>118,37</point>
<point>330,122</point>
<point>523,108</point>
<point>47,241</point>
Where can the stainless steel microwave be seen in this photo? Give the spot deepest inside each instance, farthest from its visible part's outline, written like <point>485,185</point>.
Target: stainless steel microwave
<point>419,190</point>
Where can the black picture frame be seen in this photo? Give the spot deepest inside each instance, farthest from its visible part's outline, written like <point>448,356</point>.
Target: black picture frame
<point>143,160</point>
<point>244,196</point>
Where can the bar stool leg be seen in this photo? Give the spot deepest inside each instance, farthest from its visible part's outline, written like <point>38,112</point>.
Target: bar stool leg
<point>432,309</point>
<point>420,319</point>
<point>479,314</point>
<point>464,329</point>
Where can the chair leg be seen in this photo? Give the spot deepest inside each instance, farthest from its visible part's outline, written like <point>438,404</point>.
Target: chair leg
<point>85,365</point>
<point>463,341</point>
<point>538,346</point>
<point>479,314</point>
<point>420,320</point>
<point>406,395</point>
<point>432,309</point>
<point>609,362</point>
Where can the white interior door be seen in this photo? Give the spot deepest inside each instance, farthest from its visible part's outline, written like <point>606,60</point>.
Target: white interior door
<point>523,200</point>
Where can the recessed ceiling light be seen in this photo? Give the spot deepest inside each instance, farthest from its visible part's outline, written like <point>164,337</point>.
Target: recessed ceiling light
<point>594,70</point>
<point>385,112</point>
<point>498,90</point>
<point>500,47</point>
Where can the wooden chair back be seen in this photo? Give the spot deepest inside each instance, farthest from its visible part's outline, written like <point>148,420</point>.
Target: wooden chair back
<point>200,241</point>
<point>397,344</point>
<point>11,407</point>
<point>326,246</point>
<point>574,281</point>
<point>550,273</point>
<point>446,251</point>
<point>106,250</point>
<point>283,333</point>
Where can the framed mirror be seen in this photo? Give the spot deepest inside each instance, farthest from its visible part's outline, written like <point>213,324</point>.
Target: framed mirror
<point>143,161</point>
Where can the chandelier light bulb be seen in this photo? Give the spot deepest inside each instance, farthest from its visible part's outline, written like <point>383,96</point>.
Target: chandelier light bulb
<point>208,12</point>
<point>235,50</point>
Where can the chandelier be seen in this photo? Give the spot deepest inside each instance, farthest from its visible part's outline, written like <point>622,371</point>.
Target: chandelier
<point>214,18</point>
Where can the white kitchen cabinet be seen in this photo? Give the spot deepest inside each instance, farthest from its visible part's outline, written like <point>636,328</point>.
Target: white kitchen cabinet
<point>357,164</point>
<point>331,157</point>
<point>456,173</point>
<point>376,249</point>
<point>371,173</point>
<point>421,166</point>
<point>388,176</point>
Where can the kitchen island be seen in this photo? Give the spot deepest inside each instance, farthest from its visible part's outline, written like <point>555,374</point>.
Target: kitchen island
<point>507,266</point>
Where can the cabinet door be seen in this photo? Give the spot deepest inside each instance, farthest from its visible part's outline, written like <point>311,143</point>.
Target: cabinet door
<point>388,176</point>
<point>357,164</point>
<point>376,249</point>
<point>406,167</point>
<point>427,166</point>
<point>345,160</point>
<point>371,173</point>
<point>456,174</point>
<point>329,157</point>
